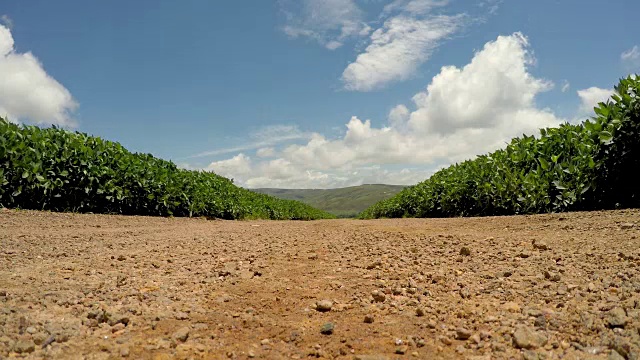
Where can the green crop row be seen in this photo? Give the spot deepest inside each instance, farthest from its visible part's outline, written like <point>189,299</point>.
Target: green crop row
<point>570,168</point>
<point>54,169</point>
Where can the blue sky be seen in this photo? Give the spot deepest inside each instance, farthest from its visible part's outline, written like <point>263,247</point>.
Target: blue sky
<point>310,93</point>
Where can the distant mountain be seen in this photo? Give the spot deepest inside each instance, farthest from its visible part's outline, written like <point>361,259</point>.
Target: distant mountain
<point>343,202</point>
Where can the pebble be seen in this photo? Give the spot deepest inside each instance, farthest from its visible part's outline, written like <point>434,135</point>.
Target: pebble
<point>526,338</point>
<point>369,319</point>
<point>370,357</point>
<point>182,316</point>
<point>463,334</point>
<point>617,318</point>
<point>327,329</point>
<point>124,352</point>
<point>540,245</point>
<point>420,312</point>
<point>24,346</point>
<point>465,251</point>
<point>378,296</point>
<point>511,307</point>
<point>324,305</point>
<point>182,334</point>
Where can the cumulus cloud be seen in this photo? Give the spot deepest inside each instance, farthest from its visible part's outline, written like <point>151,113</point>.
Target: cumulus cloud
<point>397,50</point>
<point>27,92</point>
<point>6,21</point>
<point>631,57</point>
<point>589,98</point>
<point>329,22</point>
<point>266,152</point>
<point>463,112</point>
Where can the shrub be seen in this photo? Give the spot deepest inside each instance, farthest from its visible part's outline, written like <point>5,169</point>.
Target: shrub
<point>572,167</point>
<point>54,169</point>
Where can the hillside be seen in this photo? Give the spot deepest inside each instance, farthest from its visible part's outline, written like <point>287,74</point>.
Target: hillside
<point>343,202</point>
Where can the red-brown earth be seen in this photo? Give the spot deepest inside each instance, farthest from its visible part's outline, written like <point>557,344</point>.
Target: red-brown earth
<point>533,287</point>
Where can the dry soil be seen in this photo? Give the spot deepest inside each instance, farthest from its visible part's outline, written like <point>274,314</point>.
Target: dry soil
<point>533,287</point>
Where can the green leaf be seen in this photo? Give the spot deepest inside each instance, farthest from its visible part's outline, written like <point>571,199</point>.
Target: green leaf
<point>543,163</point>
<point>606,137</point>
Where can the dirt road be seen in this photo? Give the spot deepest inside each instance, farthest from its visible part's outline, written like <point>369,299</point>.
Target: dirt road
<point>532,287</point>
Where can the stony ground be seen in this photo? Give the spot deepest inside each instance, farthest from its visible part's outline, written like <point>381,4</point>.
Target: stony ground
<point>533,287</point>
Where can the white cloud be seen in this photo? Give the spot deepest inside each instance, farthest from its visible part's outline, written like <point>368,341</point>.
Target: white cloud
<point>566,86</point>
<point>589,98</point>
<point>491,5</point>
<point>462,113</point>
<point>631,57</point>
<point>27,92</point>
<point>398,49</point>
<point>265,137</point>
<point>266,152</point>
<point>330,22</point>
<point>415,7</point>
<point>6,21</point>
<point>236,167</point>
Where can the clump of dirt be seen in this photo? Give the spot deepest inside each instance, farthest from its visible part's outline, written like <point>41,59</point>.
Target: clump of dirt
<point>532,287</point>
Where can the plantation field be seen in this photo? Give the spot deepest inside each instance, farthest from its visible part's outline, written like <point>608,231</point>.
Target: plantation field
<point>90,286</point>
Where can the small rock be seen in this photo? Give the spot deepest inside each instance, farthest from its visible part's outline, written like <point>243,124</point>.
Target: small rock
<point>526,338</point>
<point>182,316</point>
<point>465,251</point>
<point>402,350</point>
<point>182,334</point>
<point>540,245</point>
<point>122,258</point>
<point>552,277</point>
<point>511,307</point>
<point>445,340</point>
<point>464,293</point>
<point>420,312</point>
<point>124,352</point>
<point>541,321</point>
<point>617,318</point>
<point>251,354</point>
<point>370,357</point>
<point>117,327</point>
<point>368,319</point>
<point>324,305</point>
<point>615,356</point>
<point>378,296</point>
<point>118,319</point>
<point>374,264</point>
<point>31,330</point>
<point>24,346</point>
<point>530,355</point>
<point>621,346</point>
<point>627,226</point>
<point>463,334</point>
<point>327,329</point>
